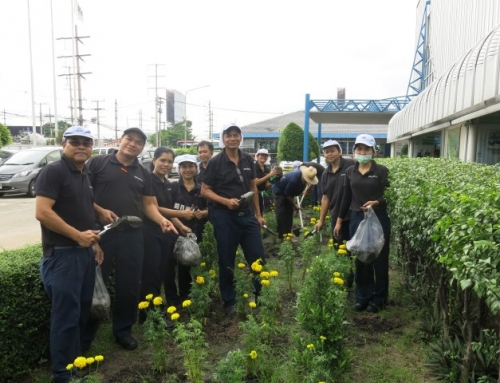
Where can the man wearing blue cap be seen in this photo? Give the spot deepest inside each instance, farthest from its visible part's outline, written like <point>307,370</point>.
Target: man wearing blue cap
<point>64,207</point>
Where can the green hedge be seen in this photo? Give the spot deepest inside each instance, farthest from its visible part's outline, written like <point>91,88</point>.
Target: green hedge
<point>24,313</point>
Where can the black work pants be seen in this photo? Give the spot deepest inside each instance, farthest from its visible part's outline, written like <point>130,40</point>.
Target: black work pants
<point>284,215</point>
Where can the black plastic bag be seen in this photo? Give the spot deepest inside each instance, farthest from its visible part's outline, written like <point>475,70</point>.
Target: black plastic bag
<point>368,241</point>
<point>187,251</point>
<point>101,302</point>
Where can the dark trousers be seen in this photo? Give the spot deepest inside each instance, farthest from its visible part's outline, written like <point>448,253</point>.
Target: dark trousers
<point>177,278</point>
<point>235,228</point>
<point>284,215</point>
<point>156,248</point>
<point>123,253</point>
<point>372,280</point>
<point>68,275</point>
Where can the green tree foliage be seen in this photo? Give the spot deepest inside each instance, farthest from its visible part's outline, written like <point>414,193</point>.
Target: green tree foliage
<point>5,136</point>
<point>291,144</point>
<point>48,128</point>
<point>173,135</point>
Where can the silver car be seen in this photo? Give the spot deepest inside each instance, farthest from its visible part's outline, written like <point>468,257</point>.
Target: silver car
<point>17,174</point>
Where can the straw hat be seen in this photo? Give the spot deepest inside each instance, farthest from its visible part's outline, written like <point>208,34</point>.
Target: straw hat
<point>309,174</point>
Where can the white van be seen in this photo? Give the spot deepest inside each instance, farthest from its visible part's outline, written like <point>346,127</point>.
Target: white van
<point>103,150</point>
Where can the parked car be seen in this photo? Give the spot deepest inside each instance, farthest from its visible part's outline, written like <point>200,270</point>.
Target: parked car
<point>146,157</point>
<point>17,174</point>
<point>5,154</point>
<point>103,150</point>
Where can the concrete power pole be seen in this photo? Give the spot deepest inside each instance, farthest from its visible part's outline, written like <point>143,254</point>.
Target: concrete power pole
<point>116,120</point>
<point>50,123</point>
<point>97,109</point>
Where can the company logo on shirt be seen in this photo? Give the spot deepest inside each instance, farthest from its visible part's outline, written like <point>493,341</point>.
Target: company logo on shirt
<point>178,206</point>
<point>373,176</point>
<point>137,178</point>
<point>248,169</point>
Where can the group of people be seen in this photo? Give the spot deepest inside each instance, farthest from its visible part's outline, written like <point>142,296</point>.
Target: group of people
<point>78,195</point>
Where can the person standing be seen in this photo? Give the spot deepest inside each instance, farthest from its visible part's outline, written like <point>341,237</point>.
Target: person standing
<point>122,186</point>
<point>205,151</point>
<point>364,188</point>
<point>228,176</point>
<point>64,207</point>
<point>263,174</point>
<point>291,185</point>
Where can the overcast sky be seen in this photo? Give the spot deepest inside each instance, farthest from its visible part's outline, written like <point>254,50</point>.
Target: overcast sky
<point>258,57</point>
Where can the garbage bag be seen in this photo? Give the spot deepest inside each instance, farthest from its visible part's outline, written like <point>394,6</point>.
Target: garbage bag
<point>101,302</point>
<point>187,251</point>
<point>368,241</point>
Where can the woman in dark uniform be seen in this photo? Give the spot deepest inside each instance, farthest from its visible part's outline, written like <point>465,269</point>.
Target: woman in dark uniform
<point>263,173</point>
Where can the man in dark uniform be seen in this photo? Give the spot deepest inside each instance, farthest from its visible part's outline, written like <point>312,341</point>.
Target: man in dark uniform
<point>229,175</point>
<point>205,151</point>
<point>64,207</point>
<point>123,187</point>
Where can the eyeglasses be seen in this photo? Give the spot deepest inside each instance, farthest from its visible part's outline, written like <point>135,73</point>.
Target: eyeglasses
<point>77,143</point>
<point>241,175</point>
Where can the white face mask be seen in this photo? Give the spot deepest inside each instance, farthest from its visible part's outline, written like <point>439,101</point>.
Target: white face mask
<point>363,158</point>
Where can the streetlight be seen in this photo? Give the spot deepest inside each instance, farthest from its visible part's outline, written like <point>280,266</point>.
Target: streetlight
<point>185,111</point>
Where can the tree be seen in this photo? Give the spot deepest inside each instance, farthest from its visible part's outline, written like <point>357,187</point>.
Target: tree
<point>172,136</point>
<point>291,144</point>
<point>5,136</point>
<point>48,128</point>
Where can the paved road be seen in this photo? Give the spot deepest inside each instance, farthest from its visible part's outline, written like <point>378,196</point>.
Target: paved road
<point>18,226</point>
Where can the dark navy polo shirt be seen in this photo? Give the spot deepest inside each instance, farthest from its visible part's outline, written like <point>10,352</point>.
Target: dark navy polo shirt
<point>361,188</point>
<point>163,193</point>
<point>259,173</point>
<point>290,184</point>
<point>72,192</point>
<point>228,180</point>
<point>183,199</point>
<point>332,184</point>
<point>119,188</point>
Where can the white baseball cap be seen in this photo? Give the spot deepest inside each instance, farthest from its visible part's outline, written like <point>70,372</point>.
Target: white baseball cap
<point>262,151</point>
<point>186,158</point>
<point>329,143</point>
<point>365,139</point>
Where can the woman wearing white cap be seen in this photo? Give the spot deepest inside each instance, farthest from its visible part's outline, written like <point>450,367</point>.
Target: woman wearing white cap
<point>262,175</point>
<point>364,187</point>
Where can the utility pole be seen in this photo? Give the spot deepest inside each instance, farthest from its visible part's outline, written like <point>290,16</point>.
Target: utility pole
<point>41,121</point>
<point>140,118</point>
<point>97,109</point>
<point>4,120</point>
<point>210,121</point>
<point>50,122</point>
<point>157,127</point>
<point>158,139</point>
<point>116,119</point>
<point>76,40</point>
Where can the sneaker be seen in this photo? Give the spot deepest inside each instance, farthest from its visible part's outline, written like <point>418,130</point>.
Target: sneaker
<point>359,306</point>
<point>127,342</point>
<point>372,308</point>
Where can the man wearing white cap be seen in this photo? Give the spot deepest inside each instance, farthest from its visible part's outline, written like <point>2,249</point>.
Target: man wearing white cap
<point>292,184</point>
<point>64,207</point>
<point>236,221</point>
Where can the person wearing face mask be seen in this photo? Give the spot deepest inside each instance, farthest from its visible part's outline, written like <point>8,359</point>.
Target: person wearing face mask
<point>364,187</point>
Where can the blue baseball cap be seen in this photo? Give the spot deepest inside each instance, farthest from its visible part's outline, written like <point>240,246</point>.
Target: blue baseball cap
<point>78,131</point>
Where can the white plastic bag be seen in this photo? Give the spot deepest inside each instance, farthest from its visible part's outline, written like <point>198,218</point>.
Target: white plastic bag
<point>101,302</point>
<point>368,241</point>
<point>187,251</point>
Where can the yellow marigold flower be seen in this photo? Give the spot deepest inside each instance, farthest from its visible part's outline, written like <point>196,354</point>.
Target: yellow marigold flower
<point>175,316</point>
<point>253,354</point>
<point>289,235</point>
<point>342,251</point>
<point>69,367</point>
<point>252,304</point>
<point>330,241</point>
<point>327,217</point>
<point>330,246</point>
<point>171,309</point>
<point>80,362</point>
<point>322,338</point>
<point>99,358</point>
<point>288,239</point>
<point>265,282</point>
<point>310,345</point>
<point>90,360</point>
<point>307,232</point>
<point>200,280</point>
<point>143,305</point>
<point>245,295</point>
<point>212,273</point>
<point>241,265</point>
<point>338,281</point>
<point>157,301</point>
<point>343,246</point>
<point>274,273</point>
<point>186,303</point>
<point>336,274</point>
<point>257,268</point>
<point>149,297</point>
<point>203,264</point>
<point>264,275</point>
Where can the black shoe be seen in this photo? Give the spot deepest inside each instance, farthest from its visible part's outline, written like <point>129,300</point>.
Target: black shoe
<point>127,342</point>
<point>372,308</point>
<point>359,306</point>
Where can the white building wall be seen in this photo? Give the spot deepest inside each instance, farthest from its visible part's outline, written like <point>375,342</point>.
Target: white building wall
<point>456,26</point>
